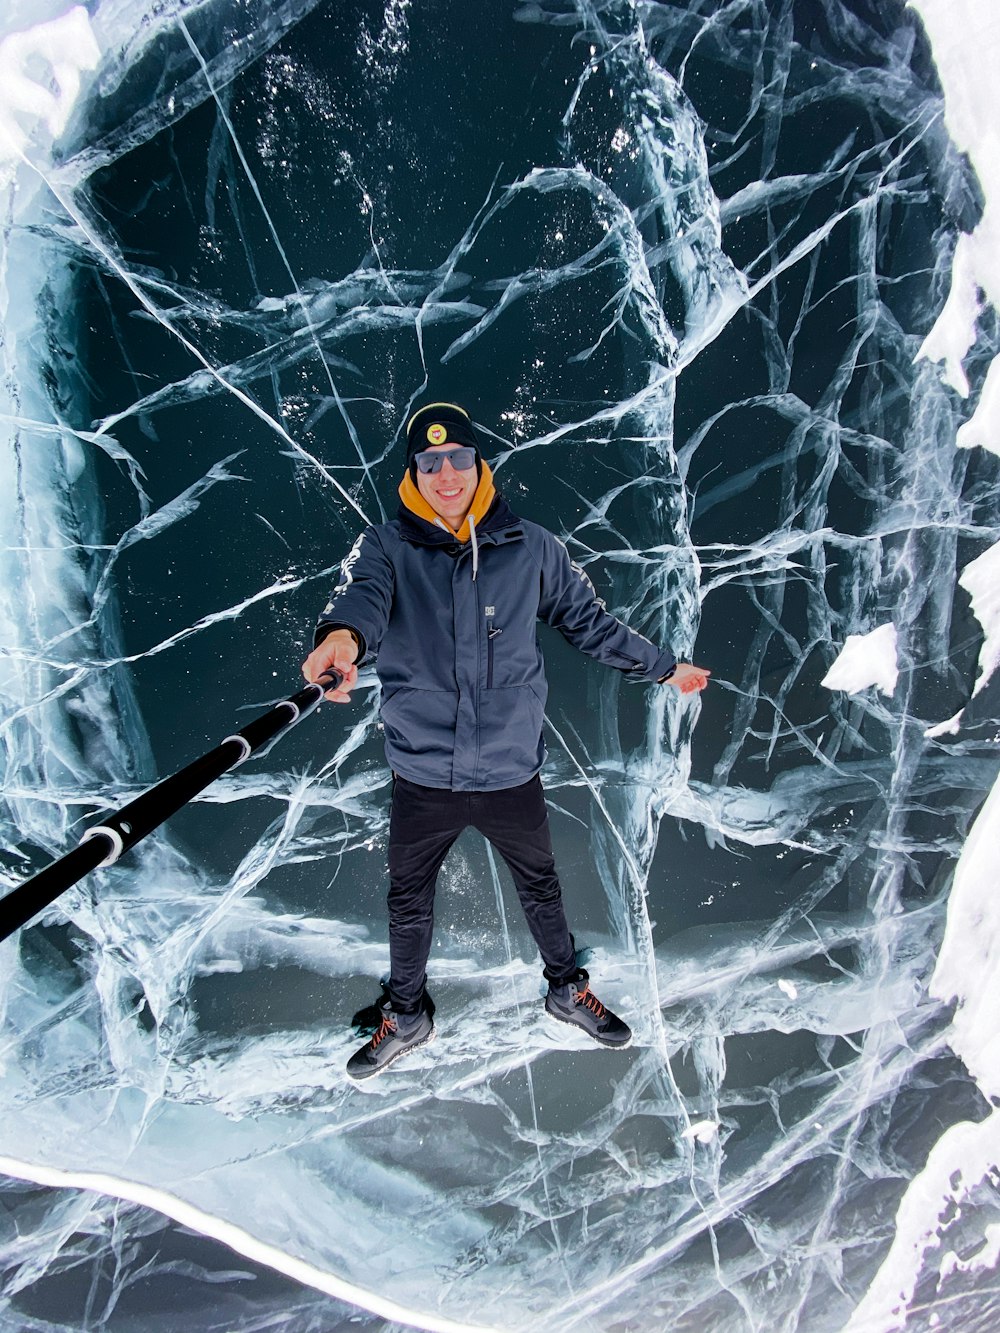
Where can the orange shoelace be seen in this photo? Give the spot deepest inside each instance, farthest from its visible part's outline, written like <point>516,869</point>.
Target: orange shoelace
<point>587,998</point>
<point>386,1026</point>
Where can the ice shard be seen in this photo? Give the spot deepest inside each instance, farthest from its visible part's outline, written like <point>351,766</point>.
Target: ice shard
<point>720,282</point>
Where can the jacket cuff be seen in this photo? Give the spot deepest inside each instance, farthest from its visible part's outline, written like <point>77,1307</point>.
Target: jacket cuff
<point>660,670</point>
<point>326,628</point>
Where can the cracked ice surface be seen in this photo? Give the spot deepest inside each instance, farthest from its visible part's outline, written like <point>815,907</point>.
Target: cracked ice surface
<point>688,263</point>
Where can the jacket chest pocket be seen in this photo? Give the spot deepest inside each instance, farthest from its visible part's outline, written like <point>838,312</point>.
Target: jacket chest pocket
<point>492,633</point>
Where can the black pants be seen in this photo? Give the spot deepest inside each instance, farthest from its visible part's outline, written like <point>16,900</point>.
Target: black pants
<point>424,824</point>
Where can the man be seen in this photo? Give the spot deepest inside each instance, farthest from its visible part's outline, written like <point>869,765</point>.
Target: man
<point>445,600</point>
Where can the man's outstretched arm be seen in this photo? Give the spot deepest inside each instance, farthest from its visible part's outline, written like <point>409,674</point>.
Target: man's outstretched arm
<point>569,602</point>
<point>352,623</point>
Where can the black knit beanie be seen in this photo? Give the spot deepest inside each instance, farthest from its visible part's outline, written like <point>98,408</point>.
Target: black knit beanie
<point>440,423</point>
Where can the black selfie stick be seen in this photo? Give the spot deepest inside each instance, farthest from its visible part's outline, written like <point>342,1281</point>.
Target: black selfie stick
<point>103,844</point>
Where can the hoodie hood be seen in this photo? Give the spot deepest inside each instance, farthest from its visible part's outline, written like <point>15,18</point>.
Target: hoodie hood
<point>481,501</point>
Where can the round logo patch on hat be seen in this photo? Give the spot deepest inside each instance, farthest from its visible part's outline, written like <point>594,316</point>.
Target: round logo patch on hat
<point>437,434</point>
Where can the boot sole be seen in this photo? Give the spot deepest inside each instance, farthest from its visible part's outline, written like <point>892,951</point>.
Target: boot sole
<point>380,1069</point>
<point>607,1045</point>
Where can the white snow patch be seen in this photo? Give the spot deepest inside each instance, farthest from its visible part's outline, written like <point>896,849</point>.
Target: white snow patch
<point>865,660</point>
<point>968,972</point>
<point>981,580</point>
<point>965,37</point>
<point>950,727</point>
<point>789,988</point>
<point>58,52</point>
<point>954,330</point>
<point>963,1156</point>
<point>983,427</point>
<point>702,1131</point>
<point>968,967</point>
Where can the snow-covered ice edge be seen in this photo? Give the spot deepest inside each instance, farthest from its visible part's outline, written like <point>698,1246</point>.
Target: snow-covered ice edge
<point>965,39</point>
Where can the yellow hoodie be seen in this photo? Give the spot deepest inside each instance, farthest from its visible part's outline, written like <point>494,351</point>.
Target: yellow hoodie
<point>481,501</point>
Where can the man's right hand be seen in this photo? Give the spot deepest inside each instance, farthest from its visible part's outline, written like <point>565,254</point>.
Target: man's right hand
<point>339,649</point>
<point>688,678</point>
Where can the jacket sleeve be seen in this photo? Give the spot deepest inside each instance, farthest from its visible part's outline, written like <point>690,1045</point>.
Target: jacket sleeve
<point>362,598</point>
<point>569,602</point>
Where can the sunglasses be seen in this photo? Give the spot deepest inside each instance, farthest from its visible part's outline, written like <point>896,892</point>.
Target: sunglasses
<point>430,460</point>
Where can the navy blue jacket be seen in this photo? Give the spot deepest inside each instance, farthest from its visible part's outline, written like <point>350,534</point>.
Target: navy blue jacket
<point>463,682</point>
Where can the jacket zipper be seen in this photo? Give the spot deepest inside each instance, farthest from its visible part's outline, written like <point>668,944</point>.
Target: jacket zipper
<point>491,632</point>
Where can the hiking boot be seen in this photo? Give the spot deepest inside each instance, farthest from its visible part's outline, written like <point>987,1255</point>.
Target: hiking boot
<point>395,1035</point>
<point>577,1004</point>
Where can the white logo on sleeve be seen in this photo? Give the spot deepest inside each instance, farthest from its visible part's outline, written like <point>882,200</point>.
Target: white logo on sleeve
<point>347,569</point>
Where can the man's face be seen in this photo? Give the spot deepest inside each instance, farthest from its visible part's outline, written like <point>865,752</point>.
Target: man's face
<point>449,493</point>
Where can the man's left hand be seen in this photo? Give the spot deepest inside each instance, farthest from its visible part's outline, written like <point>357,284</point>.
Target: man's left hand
<point>689,678</point>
